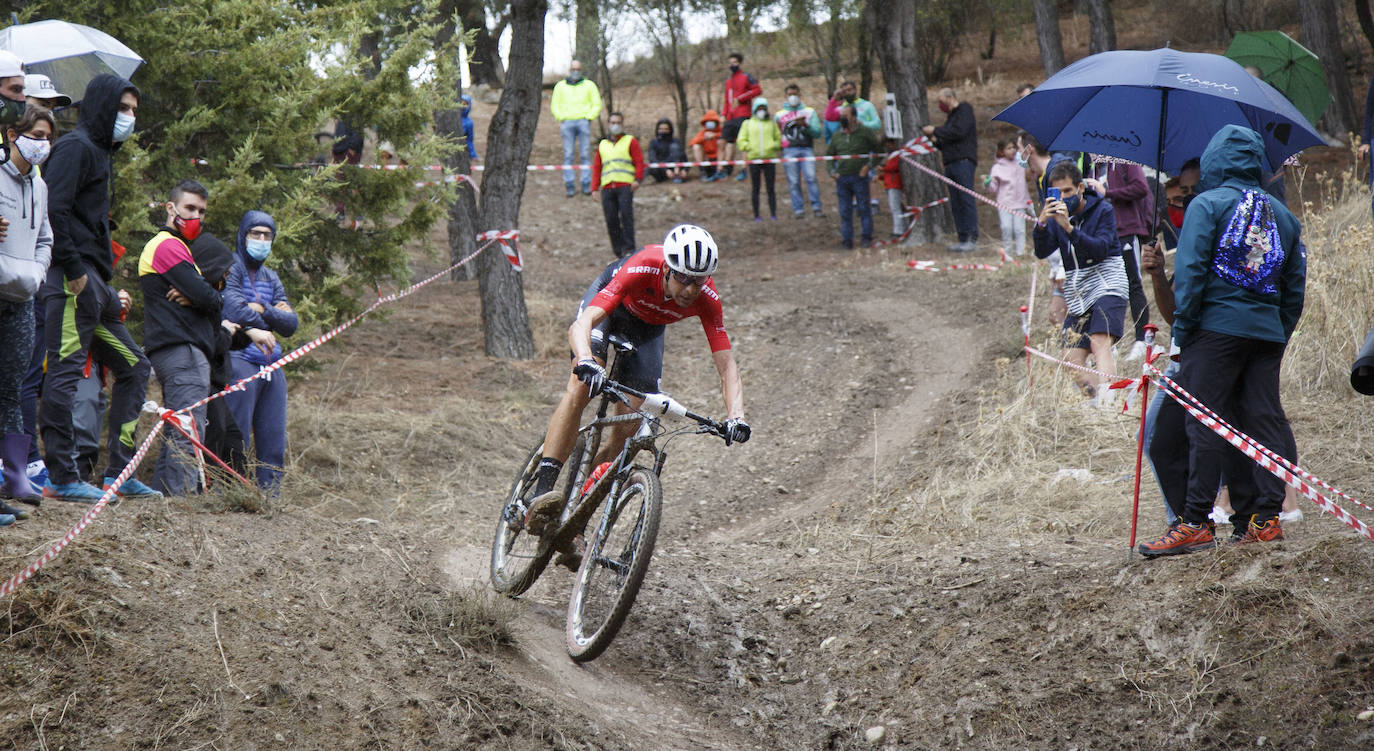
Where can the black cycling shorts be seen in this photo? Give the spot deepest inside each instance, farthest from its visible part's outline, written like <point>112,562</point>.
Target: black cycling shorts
<point>642,370</point>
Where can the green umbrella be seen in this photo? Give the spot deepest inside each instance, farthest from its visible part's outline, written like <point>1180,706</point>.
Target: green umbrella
<point>1287,66</point>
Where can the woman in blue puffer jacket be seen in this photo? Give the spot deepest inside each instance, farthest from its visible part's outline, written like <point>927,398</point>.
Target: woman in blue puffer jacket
<point>255,299</point>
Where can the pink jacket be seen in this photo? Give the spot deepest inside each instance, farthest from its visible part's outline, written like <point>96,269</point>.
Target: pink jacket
<point>1009,183</point>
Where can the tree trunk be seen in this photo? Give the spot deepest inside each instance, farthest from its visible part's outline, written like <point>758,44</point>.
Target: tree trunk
<point>1101,27</point>
<point>462,215</point>
<point>1047,34</point>
<point>589,49</point>
<point>505,320</point>
<point>1321,34</point>
<point>865,61</point>
<point>739,22</point>
<point>893,26</point>
<point>1366,20</point>
<point>486,68</point>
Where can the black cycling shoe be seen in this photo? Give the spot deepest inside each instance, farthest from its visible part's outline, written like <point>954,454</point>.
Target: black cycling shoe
<point>18,514</point>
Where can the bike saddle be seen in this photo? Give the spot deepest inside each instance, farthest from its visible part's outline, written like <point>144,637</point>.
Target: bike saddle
<point>621,344</point>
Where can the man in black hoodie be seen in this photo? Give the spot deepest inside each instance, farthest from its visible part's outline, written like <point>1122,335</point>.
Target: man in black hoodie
<point>82,309</point>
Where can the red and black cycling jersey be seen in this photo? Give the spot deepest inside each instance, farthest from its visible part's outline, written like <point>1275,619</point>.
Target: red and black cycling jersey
<point>638,286</point>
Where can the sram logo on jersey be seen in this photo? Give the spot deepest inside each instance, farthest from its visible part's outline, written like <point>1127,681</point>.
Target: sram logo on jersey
<point>642,270</point>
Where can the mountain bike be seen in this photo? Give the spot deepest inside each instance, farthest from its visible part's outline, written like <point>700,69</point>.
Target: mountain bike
<point>615,556</point>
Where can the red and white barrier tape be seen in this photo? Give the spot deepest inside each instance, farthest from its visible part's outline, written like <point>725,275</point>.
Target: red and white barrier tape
<point>913,148</point>
<point>15,581</point>
<point>1272,462</point>
<point>510,245</point>
<point>912,212</point>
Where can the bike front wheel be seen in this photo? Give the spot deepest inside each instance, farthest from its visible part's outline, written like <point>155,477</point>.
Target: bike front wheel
<point>517,557</point>
<point>613,566</point>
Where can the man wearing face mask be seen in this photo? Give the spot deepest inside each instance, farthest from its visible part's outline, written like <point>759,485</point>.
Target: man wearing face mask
<point>180,313</point>
<point>617,171</point>
<point>851,175</point>
<point>12,105</point>
<point>800,127</point>
<point>957,140</point>
<point>82,309</point>
<point>254,298</point>
<point>575,103</point>
<point>848,95</point>
<point>740,90</point>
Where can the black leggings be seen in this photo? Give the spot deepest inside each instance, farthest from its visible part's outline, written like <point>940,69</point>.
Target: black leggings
<point>769,171</point>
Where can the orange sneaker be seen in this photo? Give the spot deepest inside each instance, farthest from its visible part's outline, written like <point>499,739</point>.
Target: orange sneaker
<point>1270,531</point>
<point>1179,539</point>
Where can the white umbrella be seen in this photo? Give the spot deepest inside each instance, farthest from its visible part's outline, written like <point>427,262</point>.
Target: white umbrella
<point>68,53</point>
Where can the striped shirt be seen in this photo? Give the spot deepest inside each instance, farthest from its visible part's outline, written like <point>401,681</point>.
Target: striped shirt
<point>1084,285</point>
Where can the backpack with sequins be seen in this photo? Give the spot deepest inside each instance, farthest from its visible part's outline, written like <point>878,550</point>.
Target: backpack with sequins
<point>1249,252</point>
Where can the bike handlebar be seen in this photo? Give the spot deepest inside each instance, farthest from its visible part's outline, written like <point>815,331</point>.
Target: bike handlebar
<point>662,404</point>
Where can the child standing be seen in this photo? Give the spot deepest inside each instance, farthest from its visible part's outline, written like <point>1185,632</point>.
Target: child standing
<point>891,175</point>
<point>1007,182</point>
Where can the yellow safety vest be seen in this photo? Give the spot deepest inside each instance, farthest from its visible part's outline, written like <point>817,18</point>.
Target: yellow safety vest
<point>617,166</point>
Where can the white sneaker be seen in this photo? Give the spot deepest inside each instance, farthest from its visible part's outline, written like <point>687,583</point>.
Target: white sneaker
<point>1137,351</point>
<point>1219,516</point>
<point>1290,516</point>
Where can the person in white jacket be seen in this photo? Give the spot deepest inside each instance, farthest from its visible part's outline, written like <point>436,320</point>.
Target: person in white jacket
<point>25,249</point>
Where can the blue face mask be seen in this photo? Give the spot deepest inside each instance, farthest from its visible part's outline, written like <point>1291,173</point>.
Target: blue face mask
<point>1071,203</point>
<point>258,250</point>
<point>123,127</point>
<point>1021,161</point>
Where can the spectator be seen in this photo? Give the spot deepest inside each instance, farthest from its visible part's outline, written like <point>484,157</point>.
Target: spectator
<point>957,140</point>
<point>704,146</point>
<point>1081,226</point>
<point>180,314</point>
<point>222,434</point>
<point>40,91</point>
<point>348,144</point>
<point>665,148</point>
<point>800,127</point>
<point>12,101</point>
<point>851,175</point>
<point>82,309</point>
<point>1239,279</point>
<point>617,171</point>
<point>1007,184</point>
<point>576,102</point>
<point>469,133</point>
<point>848,94</point>
<point>1178,193</point>
<point>759,138</point>
<point>25,250</point>
<point>1125,187</point>
<point>254,298</point>
<point>740,90</point>
<point>891,175</point>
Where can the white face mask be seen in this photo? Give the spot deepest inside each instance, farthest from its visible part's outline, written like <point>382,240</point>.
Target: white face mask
<point>617,129</point>
<point>710,125</point>
<point>793,100</point>
<point>34,150</point>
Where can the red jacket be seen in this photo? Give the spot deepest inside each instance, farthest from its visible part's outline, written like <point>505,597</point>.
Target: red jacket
<point>636,154</point>
<point>740,90</point>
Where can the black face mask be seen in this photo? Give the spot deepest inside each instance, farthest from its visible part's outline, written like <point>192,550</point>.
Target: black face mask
<point>11,111</point>
<point>845,122</point>
<point>664,136</point>
<point>734,68</point>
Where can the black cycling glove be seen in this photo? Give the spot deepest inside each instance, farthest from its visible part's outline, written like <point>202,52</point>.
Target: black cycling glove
<point>736,431</point>
<point>590,372</point>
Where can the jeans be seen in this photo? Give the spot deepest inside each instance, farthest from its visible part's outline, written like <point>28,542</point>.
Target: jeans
<point>577,133</point>
<point>851,192</point>
<point>184,372</point>
<point>1173,478</point>
<point>618,204</point>
<point>961,202</point>
<point>896,204</point>
<point>795,172</point>
<point>16,331</point>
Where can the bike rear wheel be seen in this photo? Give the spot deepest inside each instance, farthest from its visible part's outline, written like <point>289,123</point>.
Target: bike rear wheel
<point>613,566</point>
<point>517,557</point>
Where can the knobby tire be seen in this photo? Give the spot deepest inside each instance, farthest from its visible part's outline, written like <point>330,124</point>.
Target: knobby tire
<point>517,557</point>
<point>613,566</point>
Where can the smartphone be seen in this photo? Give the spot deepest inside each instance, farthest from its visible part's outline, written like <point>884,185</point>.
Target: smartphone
<point>1052,194</point>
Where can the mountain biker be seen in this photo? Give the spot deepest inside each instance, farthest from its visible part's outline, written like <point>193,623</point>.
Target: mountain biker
<point>636,298</point>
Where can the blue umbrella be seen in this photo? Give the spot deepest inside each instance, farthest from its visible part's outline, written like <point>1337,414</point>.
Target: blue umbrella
<point>1158,108</point>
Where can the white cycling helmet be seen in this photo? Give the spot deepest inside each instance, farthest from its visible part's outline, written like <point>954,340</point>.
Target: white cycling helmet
<point>689,249</point>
